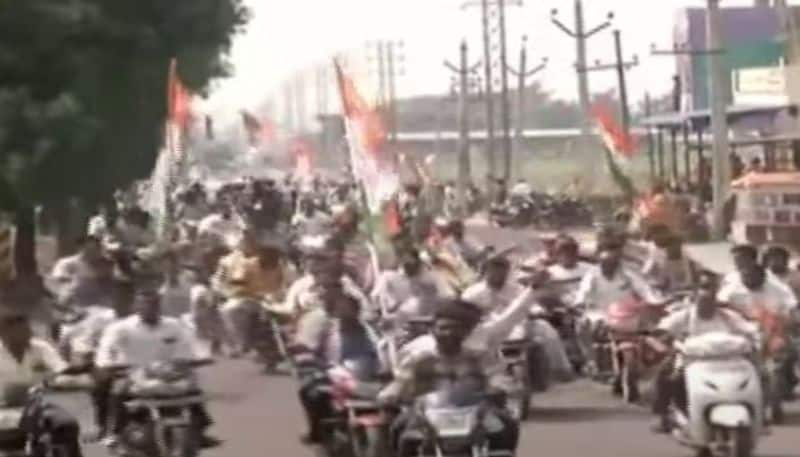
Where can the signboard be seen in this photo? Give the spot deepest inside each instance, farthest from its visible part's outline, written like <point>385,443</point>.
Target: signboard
<point>762,85</point>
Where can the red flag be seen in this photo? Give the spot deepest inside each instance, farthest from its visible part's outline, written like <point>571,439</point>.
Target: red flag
<point>178,98</point>
<point>373,134</point>
<point>614,137</point>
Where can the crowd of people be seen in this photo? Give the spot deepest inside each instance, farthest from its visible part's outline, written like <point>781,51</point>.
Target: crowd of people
<point>281,272</point>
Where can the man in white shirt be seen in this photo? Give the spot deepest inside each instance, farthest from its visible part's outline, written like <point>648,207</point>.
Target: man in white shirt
<point>494,294</point>
<point>219,228</point>
<point>602,286</point>
<point>703,316</point>
<point>304,293</point>
<point>26,361</point>
<point>83,279</point>
<point>395,289</point>
<point>144,338</point>
<point>568,271</point>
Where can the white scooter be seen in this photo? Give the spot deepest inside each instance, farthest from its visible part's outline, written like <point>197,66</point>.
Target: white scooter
<point>724,415</point>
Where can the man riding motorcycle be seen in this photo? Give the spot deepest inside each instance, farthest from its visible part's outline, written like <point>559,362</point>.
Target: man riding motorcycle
<point>328,335</point>
<point>446,361</point>
<point>703,315</point>
<point>244,278</point>
<point>140,340</point>
<point>764,299</point>
<point>603,285</point>
<point>85,342</point>
<point>395,288</point>
<point>26,361</point>
<point>321,261</point>
<point>494,293</point>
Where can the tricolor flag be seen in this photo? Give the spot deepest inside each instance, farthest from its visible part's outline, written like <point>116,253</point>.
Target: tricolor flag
<point>367,137</point>
<point>619,147</point>
<point>179,102</point>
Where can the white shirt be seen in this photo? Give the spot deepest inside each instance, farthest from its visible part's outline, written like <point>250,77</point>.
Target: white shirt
<point>774,295</point>
<point>686,323</point>
<point>599,292</point>
<point>492,300</point>
<point>40,360</point>
<point>488,335</point>
<point>302,295</point>
<point>394,288</point>
<point>131,342</point>
<point>571,277</point>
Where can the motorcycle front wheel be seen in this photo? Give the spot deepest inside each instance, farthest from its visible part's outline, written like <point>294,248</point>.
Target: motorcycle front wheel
<point>183,443</point>
<point>519,404</point>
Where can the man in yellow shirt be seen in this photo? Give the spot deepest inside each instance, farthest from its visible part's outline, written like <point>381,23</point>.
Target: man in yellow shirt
<point>244,278</point>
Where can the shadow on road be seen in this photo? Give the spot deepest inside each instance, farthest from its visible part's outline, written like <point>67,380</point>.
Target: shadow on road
<point>584,414</point>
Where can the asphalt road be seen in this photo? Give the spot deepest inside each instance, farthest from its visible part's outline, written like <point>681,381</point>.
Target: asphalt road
<point>259,415</point>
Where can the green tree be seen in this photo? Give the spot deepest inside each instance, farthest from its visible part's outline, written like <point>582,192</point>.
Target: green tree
<point>83,94</point>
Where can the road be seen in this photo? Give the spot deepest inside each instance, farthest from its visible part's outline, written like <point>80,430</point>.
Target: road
<point>259,415</point>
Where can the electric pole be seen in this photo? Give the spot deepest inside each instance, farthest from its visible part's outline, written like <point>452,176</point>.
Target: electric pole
<point>464,169</point>
<point>489,91</point>
<point>580,35</point>
<point>621,67</point>
<point>505,108</point>
<point>719,119</point>
<point>522,75</point>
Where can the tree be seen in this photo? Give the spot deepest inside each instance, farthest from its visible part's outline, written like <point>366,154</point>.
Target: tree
<point>83,94</point>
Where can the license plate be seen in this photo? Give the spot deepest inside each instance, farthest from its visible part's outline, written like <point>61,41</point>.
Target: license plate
<point>451,423</point>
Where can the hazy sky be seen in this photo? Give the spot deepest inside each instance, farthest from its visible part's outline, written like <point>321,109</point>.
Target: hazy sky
<point>287,35</point>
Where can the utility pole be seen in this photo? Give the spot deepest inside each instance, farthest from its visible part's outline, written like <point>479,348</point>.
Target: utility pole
<point>581,36</point>
<point>620,66</point>
<point>522,75</point>
<point>489,81</point>
<point>719,120</point>
<point>464,169</point>
<point>505,108</point>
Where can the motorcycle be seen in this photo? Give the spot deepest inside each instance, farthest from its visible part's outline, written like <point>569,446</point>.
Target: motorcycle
<point>15,440</point>
<point>159,419</point>
<point>355,386</point>
<point>724,411</point>
<point>456,422</point>
<point>632,350</point>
